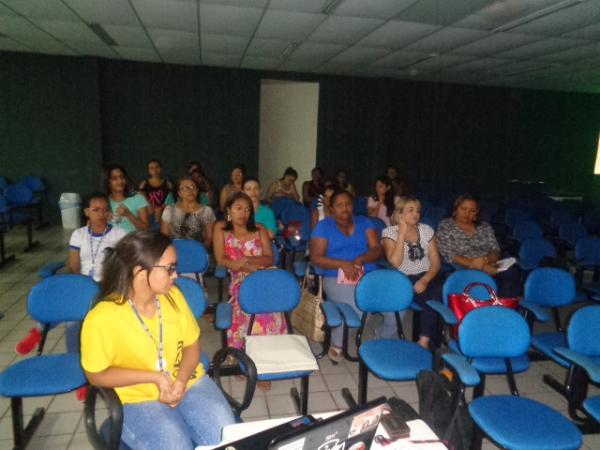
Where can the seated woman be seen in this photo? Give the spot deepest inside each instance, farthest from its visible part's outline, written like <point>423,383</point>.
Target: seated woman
<point>129,210</point>
<point>206,193</point>
<point>157,189</point>
<point>263,215</point>
<point>410,246</point>
<point>284,186</point>
<point>465,241</point>
<point>345,246</point>
<point>341,179</point>
<point>399,183</point>
<point>236,178</point>
<point>381,204</point>
<point>323,209</point>
<point>312,188</point>
<point>188,219</point>
<point>243,247</point>
<point>142,339</point>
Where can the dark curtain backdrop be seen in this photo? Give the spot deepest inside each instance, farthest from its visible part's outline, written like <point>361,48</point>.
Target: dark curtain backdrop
<point>64,117</point>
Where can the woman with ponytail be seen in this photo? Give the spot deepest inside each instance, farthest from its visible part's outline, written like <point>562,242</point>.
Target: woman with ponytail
<point>142,339</point>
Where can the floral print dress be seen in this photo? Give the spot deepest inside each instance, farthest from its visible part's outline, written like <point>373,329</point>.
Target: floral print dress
<point>263,323</point>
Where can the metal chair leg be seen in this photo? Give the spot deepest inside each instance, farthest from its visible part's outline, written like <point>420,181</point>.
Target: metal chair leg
<point>363,375</point>
<point>22,434</point>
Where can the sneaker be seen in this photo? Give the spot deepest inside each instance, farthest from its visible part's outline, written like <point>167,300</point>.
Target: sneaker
<point>30,342</point>
<point>335,355</point>
<point>81,393</point>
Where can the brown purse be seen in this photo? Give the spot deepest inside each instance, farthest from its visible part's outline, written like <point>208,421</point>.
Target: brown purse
<point>308,318</point>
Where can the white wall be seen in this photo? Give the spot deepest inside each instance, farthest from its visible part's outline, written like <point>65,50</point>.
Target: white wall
<point>288,130</point>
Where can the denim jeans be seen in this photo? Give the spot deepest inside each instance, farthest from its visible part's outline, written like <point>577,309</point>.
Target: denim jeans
<point>344,293</point>
<point>197,420</point>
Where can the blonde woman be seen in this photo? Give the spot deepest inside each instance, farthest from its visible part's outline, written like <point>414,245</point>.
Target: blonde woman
<point>410,246</point>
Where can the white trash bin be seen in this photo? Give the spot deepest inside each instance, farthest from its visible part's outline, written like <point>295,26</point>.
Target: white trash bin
<point>70,210</point>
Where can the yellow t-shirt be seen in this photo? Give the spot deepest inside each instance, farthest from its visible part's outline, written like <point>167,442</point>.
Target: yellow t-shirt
<point>112,336</point>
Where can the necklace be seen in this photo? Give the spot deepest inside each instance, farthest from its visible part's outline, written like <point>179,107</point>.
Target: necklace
<point>162,363</point>
<point>94,253</point>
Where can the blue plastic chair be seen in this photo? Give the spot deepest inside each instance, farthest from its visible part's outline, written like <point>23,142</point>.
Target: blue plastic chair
<point>582,351</point>
<point>509,421</point>
<point>386,291</point>
<point>587,258</point>
<point>3,184</point>
<point>59,298</point>
<point>456,283</point>
<point>20,202</point>
<point>275,291</point>
<point>360,206</point>
<point>298,244</point>
<point>569,233</point>
<point>5,225</point>
<point>191,258</point>
<point>533,251</point>
<point>527,229</point>
<point>280,204</point>
<point>434,215</point>
<point>514,216</point>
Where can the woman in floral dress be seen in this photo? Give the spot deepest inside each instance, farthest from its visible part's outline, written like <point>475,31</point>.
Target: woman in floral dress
<point>243,247</point>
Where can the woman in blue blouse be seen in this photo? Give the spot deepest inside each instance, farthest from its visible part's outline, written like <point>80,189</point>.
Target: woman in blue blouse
<point>345,246</point>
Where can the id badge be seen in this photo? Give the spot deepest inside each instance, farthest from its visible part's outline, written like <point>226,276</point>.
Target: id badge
<point>164,366</point>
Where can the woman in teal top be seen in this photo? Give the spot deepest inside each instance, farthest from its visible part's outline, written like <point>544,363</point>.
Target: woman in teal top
<point>262,214</point>
<point>129,209</point>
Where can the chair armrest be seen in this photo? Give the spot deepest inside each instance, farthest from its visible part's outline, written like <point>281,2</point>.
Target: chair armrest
<point>50,269</point>
<point>332,314</point>
<point>114,420</point>
<point>223,316</point>
<point>541,314</point>
<point>351,319</point>
<point>246,366</point>
<point>468,376</point>
<point>586,363</point>
<point>447,315</point>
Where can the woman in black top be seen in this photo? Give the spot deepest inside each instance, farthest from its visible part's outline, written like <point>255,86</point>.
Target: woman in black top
<point>155,188</point>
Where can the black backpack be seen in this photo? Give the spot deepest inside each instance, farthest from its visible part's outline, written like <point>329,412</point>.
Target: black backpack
<point>442,407</point>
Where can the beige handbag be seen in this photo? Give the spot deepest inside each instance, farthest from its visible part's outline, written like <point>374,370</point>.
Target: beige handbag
<point>308,318</point>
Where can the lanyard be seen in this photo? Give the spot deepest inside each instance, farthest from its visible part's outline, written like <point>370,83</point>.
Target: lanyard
<point>159,347</point>
<point>93,252</point>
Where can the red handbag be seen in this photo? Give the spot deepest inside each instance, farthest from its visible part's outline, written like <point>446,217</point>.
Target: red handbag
<point>461,304</point>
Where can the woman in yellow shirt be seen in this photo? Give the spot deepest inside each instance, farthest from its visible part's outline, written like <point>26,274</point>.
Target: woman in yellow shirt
<point>142,339</point>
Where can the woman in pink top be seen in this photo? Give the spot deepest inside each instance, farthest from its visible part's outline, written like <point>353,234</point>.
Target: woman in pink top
<point>381,204</point>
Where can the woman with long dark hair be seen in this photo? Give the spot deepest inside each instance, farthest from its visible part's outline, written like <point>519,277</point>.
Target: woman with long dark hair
<point>243,247</point>
<point>156,188</point>
<point>381,203</point>
<point>129,209</point>
<point>142,339</point>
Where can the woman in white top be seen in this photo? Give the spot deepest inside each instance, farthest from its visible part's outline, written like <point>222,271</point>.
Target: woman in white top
<point>410,246</point>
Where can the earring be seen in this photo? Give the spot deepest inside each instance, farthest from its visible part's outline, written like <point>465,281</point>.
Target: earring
<point>228,217</point>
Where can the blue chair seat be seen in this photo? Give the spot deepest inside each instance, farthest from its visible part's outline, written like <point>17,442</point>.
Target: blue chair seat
<point>592,406</point>
<point>43,375</point>
<point>394,359</point>
<point>283,376</point>
<point>220,272</point>
<point>547,342</point>
<point>351,319</point>
<point>491,366</point>
<point>332,314</point>
<point>520,423</point>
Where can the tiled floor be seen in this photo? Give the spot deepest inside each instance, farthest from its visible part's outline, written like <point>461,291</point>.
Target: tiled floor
<point>63,427</point>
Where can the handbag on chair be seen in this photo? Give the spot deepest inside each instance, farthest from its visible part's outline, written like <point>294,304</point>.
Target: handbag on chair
<point>308,317</point>
<point>463,303</point>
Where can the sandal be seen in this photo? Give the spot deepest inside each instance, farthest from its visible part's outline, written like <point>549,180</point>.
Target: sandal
<point>335,354</point>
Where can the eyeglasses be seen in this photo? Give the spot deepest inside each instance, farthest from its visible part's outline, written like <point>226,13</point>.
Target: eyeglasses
<point>99,210</point>
<point>171,269</point>
<point>188,187</point>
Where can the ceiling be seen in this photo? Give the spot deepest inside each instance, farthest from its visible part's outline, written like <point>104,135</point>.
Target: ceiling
<point>539,44</point>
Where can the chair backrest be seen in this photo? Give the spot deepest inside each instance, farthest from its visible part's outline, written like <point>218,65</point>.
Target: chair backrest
<point>571,232</point>
<point>36,184</point>
<point>62,298</point>
<point>583,330</point>
<point>560,217</point>
<point>4,208</point>
<point>435,214</point>
<point>267,291</point>
<point>514,216</point>
<point>194,294</point>
<point>457,281</point>
<point>550,287</point>
<point>384,291</point>
<point>191,256</point>
<point>18,194</point>
<point>297,212</point>
<point>378,224</point>
<point>532,251</point>
<point>280,204</point>
<point>527,229</point>
<point>360,206</point>
<point>587,250</point>
<point>494,331</point>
